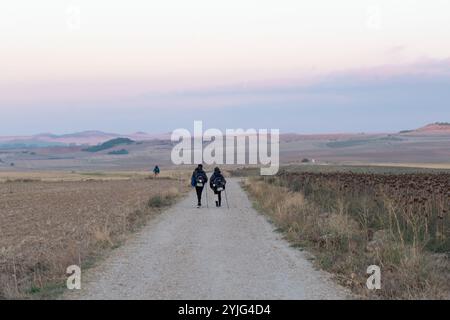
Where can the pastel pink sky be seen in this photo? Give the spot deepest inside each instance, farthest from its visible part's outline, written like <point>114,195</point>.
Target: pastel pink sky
<point>174,44</point>
<point>93,52</point>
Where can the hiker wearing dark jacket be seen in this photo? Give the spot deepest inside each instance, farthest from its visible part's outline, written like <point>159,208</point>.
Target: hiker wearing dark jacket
<point>217,183</point>
<point>198,180</point>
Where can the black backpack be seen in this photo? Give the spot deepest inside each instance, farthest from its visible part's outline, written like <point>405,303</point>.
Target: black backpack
<point>199,180</point>
<point>220,183</point>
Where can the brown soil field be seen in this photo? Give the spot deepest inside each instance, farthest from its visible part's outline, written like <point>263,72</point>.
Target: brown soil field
<point>45,226</point>
<point>59,176</point>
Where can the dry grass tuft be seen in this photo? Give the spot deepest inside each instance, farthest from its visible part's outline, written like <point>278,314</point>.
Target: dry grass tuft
<point>349,227</point>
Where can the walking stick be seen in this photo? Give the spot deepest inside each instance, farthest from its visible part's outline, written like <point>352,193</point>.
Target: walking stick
<point>226,198</point>
<point>207,204</point>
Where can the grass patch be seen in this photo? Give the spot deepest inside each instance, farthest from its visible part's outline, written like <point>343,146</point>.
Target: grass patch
<point>348,230</point>
<point>163,199</point>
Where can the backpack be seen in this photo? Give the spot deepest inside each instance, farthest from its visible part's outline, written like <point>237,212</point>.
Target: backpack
<point>220,183</point>
<point>199,180</point>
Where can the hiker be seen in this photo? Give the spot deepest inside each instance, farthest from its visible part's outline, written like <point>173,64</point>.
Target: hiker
<point>156,171</point>
<point>217,183</point>
<point>198,180</point>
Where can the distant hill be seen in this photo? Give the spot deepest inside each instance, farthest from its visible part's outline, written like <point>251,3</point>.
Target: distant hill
<point>96,137</point>
<point>88,133</point>
<point>90,137</point>
<point>48,139</point>
<point>26,144</point>
<point>292,137</point>
<point>109,144</point>
<point>436,128</point>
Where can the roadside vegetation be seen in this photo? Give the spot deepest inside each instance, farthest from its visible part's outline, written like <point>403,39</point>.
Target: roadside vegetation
<point>46,226</point>
<point>119,152</point>
<point>350,220</point>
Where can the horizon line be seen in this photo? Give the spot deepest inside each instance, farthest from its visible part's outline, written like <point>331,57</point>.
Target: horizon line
<point>142,132</point>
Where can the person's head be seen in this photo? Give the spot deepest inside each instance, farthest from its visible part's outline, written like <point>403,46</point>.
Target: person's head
<point>200,167</point>
<point>217,170</point>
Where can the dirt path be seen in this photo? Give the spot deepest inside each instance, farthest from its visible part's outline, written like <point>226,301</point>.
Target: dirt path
<point>215,253</point>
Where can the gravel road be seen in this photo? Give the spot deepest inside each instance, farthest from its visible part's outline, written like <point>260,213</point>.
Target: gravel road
<point>207,253</point>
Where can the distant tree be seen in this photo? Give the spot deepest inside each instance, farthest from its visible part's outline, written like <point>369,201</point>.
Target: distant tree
<point>305,160</point>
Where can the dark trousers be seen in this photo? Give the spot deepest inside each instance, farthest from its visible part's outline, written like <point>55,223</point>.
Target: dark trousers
<point>199,191</point>
<point>219,196</point>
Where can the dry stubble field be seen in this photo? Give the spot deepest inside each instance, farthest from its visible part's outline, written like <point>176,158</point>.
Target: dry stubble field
<point>45,226</point>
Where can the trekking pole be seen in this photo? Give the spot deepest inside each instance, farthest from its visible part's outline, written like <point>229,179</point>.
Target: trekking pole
<point>226,198</point>
<point>207,205</point>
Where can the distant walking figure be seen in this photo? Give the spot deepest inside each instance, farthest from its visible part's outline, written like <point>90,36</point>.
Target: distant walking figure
<point>156,171</point>
<point>198,180</point>
<point>217,183</point>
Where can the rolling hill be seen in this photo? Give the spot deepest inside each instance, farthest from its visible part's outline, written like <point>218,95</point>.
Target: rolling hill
<point>91,138</point>
<point>437,128</point>
<point>427,145</point>
<point>109,144</point>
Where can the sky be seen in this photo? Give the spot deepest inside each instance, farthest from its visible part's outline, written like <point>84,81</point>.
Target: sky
<point>299,66</point>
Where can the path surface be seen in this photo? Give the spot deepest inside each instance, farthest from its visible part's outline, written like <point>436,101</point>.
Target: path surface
<point>215,253</point>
